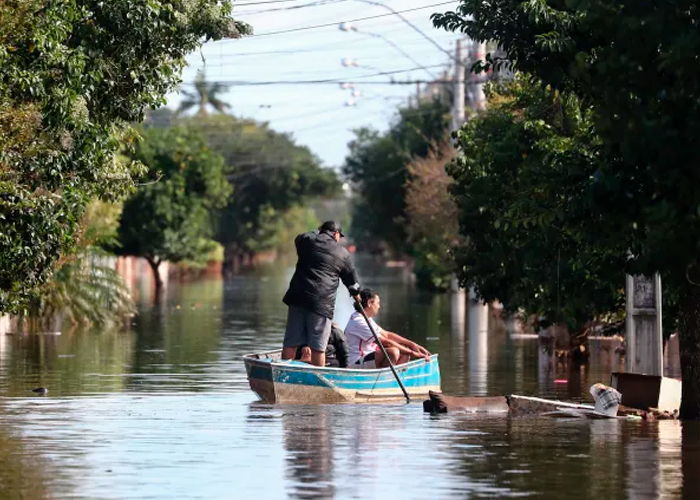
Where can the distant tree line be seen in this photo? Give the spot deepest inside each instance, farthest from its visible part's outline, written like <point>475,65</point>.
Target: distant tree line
<point>239,183</point>
<point>392,174</point>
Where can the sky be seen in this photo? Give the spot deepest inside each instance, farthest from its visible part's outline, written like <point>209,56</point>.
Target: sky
<point>266,71</point>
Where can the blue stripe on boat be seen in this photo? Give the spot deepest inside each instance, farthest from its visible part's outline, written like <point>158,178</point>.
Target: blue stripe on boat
<point>416,374</point>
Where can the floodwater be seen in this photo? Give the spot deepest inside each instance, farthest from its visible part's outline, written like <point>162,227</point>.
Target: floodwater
<point>162,410</point>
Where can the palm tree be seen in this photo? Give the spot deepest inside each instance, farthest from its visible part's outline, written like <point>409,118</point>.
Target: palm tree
<point>85,291</point>
<point>204,93</point>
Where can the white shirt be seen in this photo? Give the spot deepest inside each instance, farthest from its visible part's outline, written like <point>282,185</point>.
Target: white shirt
<point>360,338</point>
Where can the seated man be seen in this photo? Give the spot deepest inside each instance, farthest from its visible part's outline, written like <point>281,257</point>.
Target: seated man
<point>364,351</point>
<point>337,351</point>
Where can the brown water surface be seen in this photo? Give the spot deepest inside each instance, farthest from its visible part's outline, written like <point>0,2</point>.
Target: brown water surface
<point>163,411</point>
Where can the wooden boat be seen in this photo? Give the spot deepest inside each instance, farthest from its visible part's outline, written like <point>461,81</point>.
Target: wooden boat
<point>528,405</point>
<point>287,381</point>
<point>513,405</point>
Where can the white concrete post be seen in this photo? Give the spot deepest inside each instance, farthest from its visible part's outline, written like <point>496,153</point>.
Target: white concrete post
<point>643,335</point>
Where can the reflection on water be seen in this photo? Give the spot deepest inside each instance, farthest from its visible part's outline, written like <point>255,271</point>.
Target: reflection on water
<point>478,347</point>
<point>308,443</point>
<point>163,410</point>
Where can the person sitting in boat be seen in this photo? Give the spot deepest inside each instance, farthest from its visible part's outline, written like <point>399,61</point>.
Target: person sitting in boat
<point>364,351</point>
<point>337,352</point>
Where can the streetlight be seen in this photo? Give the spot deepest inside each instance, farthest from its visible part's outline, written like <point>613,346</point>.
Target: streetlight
<point>351,27</point>
<point>349,62</point>
<point>346,61</point>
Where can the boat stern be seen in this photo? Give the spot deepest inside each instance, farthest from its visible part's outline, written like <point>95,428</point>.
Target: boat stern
<point>260,378</point>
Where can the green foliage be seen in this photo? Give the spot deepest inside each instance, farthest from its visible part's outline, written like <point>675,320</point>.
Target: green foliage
<point>297,219</point>
<point>73,74</point>
<point>524,186</point>
<point>377,166</point>
<point>628,61</point>
<point>86,291</point>
<point>432,219</point>
<point>634,63</point>
<point>171,217</point>
<point>270,174</point>
<point>100,223</point>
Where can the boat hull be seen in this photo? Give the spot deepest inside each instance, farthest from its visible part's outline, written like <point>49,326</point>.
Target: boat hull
<point>277,381</point>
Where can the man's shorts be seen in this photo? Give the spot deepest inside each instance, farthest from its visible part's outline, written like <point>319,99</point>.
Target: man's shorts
<point>368,361</point>
<point>306,328</point>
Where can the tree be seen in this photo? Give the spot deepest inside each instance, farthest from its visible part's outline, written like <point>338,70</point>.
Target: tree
<point>630,62</point>
<point>171,218</point>
<point>73,75</point>
<point>377,166</point>
<point>270,173</point>
<point>205,94</point>
<point>432,218</point>
<point>85,289</point>
<point>521,184</point>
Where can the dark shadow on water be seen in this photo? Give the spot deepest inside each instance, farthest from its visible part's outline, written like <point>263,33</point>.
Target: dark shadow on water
<point>690,454</point>
<point>572,458</point>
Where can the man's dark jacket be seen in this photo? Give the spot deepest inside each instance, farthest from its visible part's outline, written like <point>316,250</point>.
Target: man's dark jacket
<point>322,261</point>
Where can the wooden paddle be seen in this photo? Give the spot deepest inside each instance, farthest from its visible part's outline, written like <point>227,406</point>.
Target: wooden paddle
<point>379,343</point>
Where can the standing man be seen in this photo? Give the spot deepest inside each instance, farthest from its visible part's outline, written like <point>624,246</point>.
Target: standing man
<point>322,261</point>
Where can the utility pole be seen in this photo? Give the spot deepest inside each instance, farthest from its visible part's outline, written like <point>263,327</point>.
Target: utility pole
<point>458,115</point>
<point>479,97</point>
<point>458,90</point>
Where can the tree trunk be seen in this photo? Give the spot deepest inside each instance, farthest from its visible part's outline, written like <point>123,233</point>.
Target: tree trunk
<point>689,336</point>
<point>690,458</point>
<point>155,264</point>
<point>231,264</point>
<point>579,346</point>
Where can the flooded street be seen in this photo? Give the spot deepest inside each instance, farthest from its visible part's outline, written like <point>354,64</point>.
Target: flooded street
<point>163,410</point>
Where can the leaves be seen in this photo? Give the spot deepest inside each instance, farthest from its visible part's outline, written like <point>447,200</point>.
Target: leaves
<point>270,174</point>
<point>171,219</point>
<point>526,216</point>
<point>73,75</point>
<point>378,168</point>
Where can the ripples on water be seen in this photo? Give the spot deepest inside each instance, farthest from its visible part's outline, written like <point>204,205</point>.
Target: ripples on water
<point>164,411</point>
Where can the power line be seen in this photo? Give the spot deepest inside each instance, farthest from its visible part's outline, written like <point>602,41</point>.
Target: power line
<point>348,128</point>
<point>329,80</point>
<point>263,3</point>
<point>243,83</point>
<point>325,25</point>
<point>334,47</point>
<point>403,52</point>
<point>318,3</point>
<point>415,28</point>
